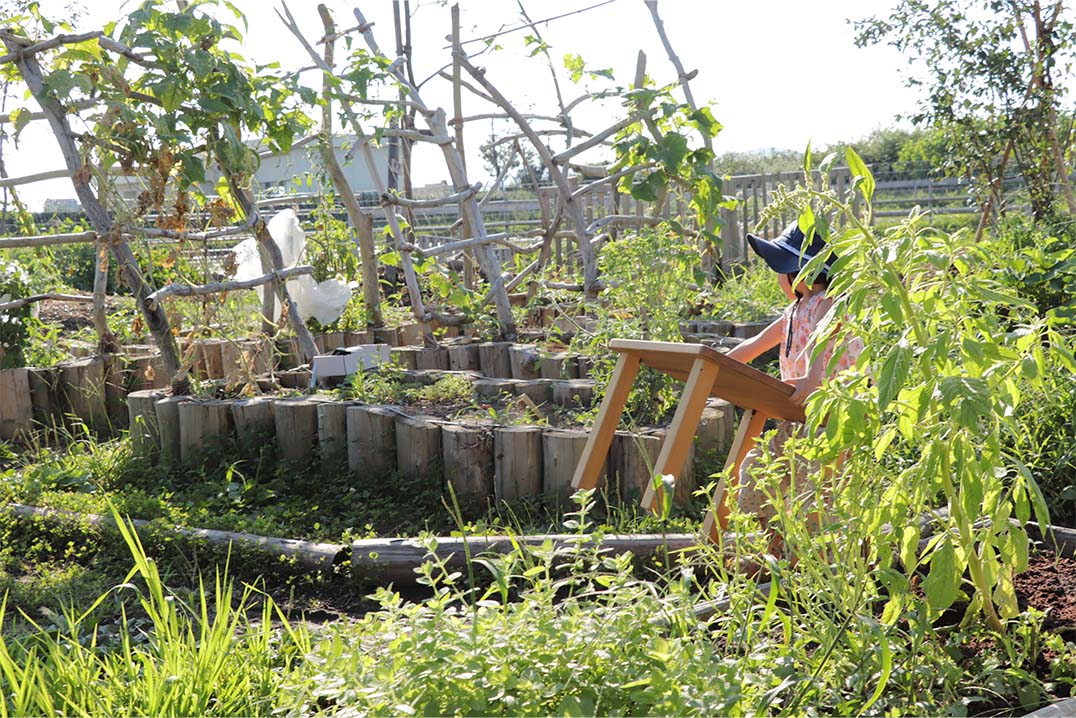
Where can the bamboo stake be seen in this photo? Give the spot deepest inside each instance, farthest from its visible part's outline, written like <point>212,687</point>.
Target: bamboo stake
<point>435,119</point>
<point>360,222</point>
<point>418,308</point>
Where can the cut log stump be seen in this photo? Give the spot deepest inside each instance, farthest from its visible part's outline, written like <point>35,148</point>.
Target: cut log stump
<point>16,406</point>
<point>296,421</point>
<point>685,480</point>
<point>168,427</point>
<point>254,422</point>
<point>47,407</point>
<point>142,420</point>
<point>714,435</point>
<point>82,384</point>
<point>524,362</point>
<point>205,427</point>
<point>494,360</point>
<point>559,366</point>
<point>468,459</point>
<point>435,358</point>
<point>517,462</point>
<point>332,434</point>
<point>574,393</point>
<point>418,446</point>
<point>464,357</point>
<point>561,451</point>
<point>371,440</point>
<point>632,460</point>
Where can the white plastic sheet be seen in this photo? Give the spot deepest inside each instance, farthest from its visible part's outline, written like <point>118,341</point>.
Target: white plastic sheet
<point>324,301</point>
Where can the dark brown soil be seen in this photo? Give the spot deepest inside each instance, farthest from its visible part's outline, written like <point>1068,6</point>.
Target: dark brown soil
<point>72,316</point>
<point>1049,585</point>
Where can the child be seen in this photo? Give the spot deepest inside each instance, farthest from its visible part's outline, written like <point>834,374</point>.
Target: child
<point>786,255</point>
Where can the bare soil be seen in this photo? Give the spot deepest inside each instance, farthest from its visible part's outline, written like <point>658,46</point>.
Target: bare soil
<point>1049,585</point>
<point>72,316</point>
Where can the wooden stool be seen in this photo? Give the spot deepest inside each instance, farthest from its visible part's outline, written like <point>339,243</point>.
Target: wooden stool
<point>708,373</point>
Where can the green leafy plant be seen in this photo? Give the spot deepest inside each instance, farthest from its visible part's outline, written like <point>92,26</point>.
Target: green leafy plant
<point>946,350</point>
<point>14,323</point>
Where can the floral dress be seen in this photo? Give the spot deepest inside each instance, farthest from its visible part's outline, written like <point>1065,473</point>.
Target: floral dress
<point>801,318</point>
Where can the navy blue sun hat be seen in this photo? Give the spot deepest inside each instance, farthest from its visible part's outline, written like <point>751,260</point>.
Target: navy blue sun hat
<point>786,254</point>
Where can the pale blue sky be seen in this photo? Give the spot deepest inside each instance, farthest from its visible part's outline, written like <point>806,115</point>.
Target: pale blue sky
<point>779,72</point>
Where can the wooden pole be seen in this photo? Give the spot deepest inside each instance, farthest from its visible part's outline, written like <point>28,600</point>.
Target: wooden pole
<point>396,560</point>
<point>457,106</point>
<point>437,123</point>
<point>418,307</point>
<point>572,207</point>
<point>361,223</point>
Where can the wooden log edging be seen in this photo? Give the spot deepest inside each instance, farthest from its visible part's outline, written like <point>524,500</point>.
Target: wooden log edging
<point>396,560</point>
<point>309,554</point>
<point>381,559</point>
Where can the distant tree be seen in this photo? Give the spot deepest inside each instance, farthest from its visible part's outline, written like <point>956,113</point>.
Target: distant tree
<point>991,67</point>
<point>767,161</point>
<point>886,151</point>
<point>520,168</point>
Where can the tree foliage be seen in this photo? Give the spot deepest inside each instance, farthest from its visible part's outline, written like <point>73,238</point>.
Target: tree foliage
<point>989,86</point>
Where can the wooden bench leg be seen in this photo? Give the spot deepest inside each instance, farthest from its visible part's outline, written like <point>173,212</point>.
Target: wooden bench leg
<point>717,518</point>
<point>601,436</point>
<point>681,432</point>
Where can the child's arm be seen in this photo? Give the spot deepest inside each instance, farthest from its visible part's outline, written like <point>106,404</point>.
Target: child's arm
<point>751,349</point>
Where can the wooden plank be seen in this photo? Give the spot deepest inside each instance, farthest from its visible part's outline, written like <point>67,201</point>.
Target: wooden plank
<point>717,517</point>
<point>601,435</point>
<point>677,444</point>
<point>737,383</point>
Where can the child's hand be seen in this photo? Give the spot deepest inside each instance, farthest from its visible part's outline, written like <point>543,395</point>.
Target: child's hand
<point>804,387</point>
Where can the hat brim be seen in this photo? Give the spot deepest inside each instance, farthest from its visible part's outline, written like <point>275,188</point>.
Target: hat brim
<point>778,257</point>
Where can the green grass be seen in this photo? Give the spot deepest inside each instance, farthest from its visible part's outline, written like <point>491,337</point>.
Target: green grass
<point>538,631</point>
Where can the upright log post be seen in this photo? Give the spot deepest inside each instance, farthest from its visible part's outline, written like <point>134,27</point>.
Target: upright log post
<point>418,307</point>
